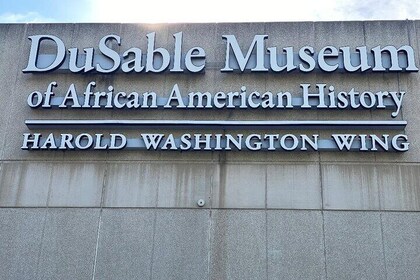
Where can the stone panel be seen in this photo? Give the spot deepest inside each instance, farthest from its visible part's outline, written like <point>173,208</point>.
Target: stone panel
<point>20,233</point>
<point>181,244</point>
<point>68,244</point>
<point>293,186</point>
<point>125,244</point>
<point>295,245</point>
<point>238,245</point>
<point>25,184</point>
<point>399,187</point>
<point>76,184</point>
<point>350,186</point>
<point>353,243</point>
<point>240,186</point>
<point>182,185</point>
<point>131,184</point>
<point>402,245</point>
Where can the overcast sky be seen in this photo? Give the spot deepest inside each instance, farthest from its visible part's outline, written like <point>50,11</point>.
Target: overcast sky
<point>163,11</point>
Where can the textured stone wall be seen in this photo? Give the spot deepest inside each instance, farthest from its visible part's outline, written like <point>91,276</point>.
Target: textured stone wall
<point>268,215</point>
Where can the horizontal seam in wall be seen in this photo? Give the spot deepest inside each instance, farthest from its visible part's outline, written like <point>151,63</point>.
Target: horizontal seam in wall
<point>207,209</point>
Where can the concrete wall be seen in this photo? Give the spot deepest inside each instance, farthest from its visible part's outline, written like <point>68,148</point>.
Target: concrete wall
<point>268,215</point>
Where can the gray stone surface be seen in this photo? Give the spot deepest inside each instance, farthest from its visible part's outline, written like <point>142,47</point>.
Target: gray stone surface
<point>182,185</point>
<point>181,244</point>
<point>350,186</point>
<point>402,245</point>
<point>195,244</point>
<point>353,245</point>
<point>371,187</point>
<point>12,39</point>
<point>240,186</point>
<point>399,187</point>
<point>292,34</point>
<point>78,184</point>
<point>338,33</point>
<point>386,32</point>
<point>194,36</point>
<point>38,184</point>
<point>295,186</point>
<point>20,234</point>
<point>410,112</point>
<point>131,185</point>
<point>295,245</point>
<point>409,83</point>
<point>68,244</point>
<point>24,184</point>
<point>272,156</point>
<point>125,244</point>
<point>238,245</point>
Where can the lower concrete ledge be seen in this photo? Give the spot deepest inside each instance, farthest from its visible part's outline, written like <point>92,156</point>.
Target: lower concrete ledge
<point>115,243</point>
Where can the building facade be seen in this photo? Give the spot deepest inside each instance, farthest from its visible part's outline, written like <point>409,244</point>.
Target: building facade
<point>210,151</point>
